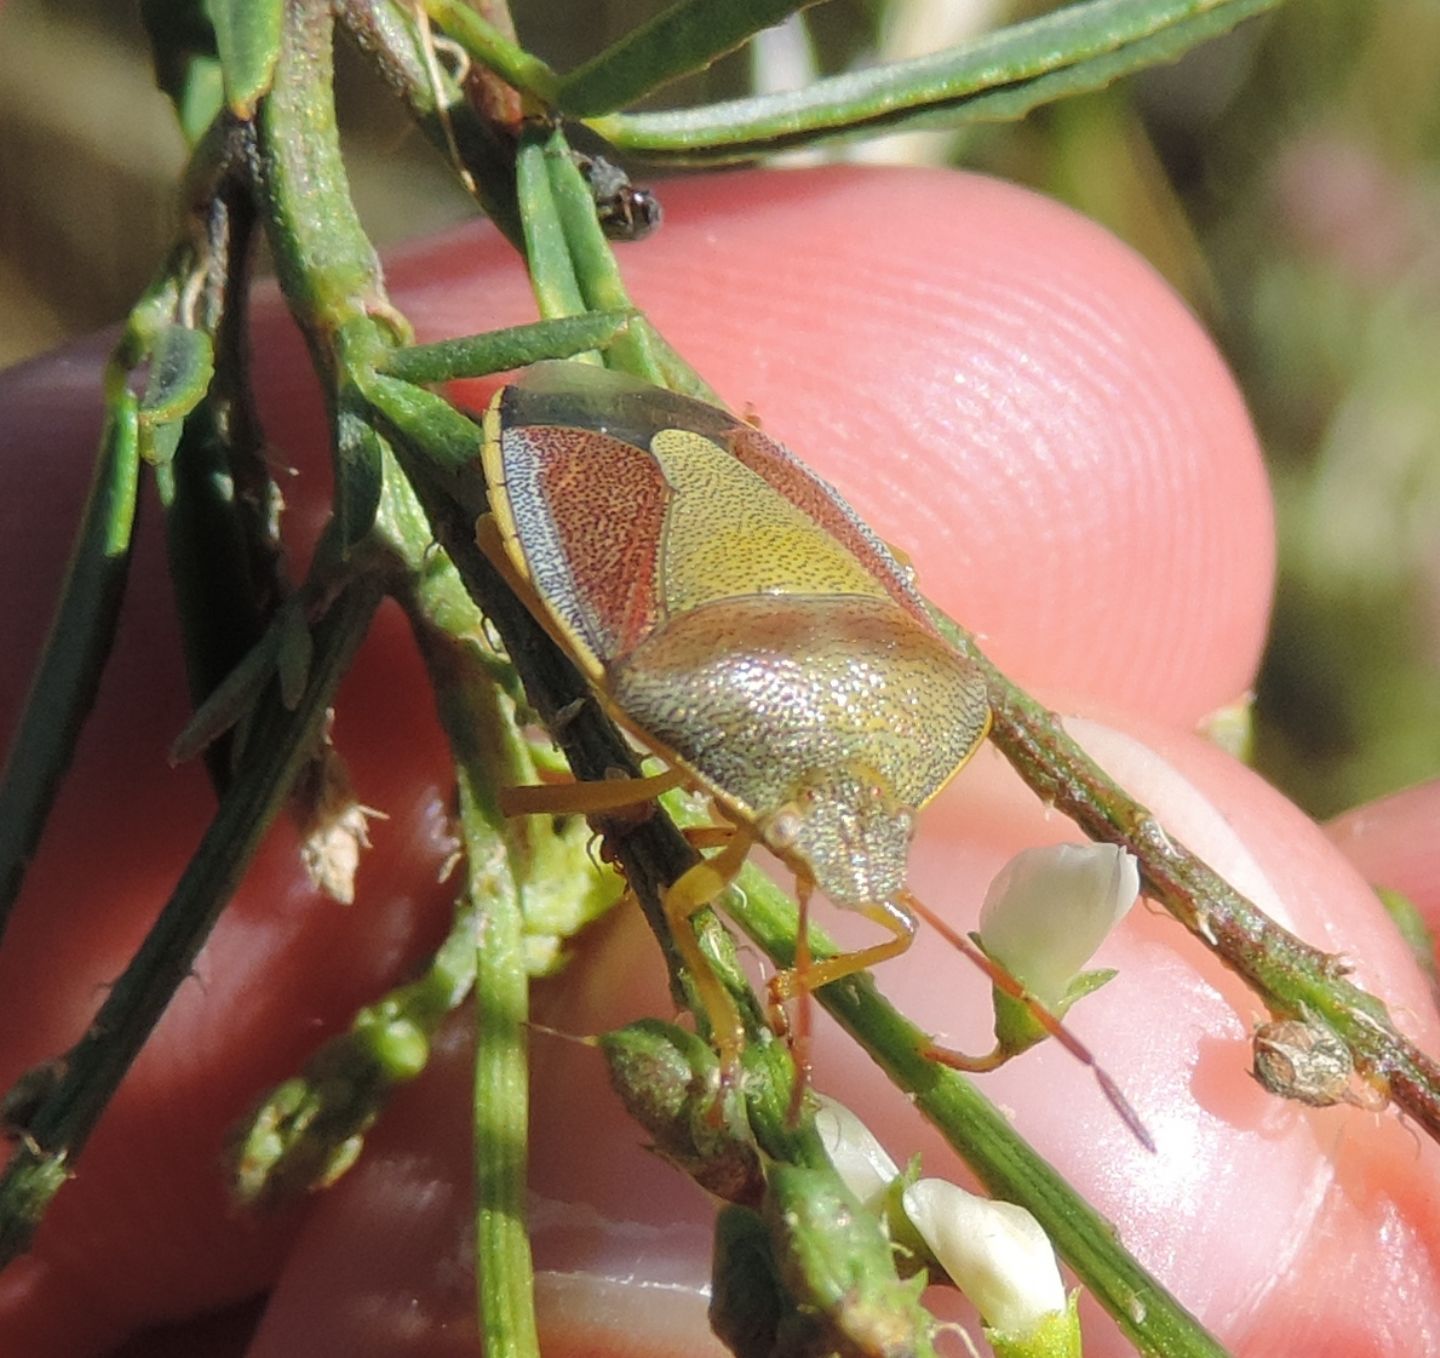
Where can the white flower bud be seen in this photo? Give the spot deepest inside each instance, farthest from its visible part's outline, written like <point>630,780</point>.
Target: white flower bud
<point>1050,908</point>
<point>996,1253</point>
<point>859,1159</point>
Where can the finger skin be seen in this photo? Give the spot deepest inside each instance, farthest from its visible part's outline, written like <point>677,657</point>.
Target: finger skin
<point>1392,842</point>
<point>1007,393</point>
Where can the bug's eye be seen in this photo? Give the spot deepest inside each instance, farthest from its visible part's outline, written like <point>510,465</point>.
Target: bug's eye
<point>784,827</point>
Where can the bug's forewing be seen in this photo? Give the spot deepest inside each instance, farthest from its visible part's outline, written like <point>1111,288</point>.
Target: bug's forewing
<point>793,480</point>
<point>582,513</point>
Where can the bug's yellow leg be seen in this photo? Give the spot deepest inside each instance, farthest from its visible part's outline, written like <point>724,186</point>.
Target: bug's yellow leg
<point>695,888</point>
<point>800,1034</point>
<point>708,836</point>
<point>807,974</point>
<point>596,798</point>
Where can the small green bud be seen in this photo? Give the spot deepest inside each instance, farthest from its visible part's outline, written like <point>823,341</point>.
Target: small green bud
<point>669,1081</point>
<point>399,1048</point>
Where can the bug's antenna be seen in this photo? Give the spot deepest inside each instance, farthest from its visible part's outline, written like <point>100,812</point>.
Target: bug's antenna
<point>1005,982</point>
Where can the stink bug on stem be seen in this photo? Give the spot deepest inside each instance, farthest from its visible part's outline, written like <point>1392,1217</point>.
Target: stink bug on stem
<point>742,623</point>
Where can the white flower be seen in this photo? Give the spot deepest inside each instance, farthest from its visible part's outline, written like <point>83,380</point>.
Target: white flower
<point>996,1253</point>
<point>859,1159</point>
<point>1050,908</point>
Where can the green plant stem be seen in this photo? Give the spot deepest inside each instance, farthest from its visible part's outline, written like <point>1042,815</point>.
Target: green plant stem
<point>332,283</point>
<point>60,1121</point>
<point>1000,76</point>
<point>489,750</point>
<point>1294,979</point>
<point>505,1278</point>
<point>327,267</point>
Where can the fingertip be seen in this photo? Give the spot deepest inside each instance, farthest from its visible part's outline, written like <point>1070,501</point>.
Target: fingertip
<point>1392,842</point>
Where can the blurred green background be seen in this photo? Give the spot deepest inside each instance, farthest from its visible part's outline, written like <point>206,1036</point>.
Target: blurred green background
<point>1285,179</point>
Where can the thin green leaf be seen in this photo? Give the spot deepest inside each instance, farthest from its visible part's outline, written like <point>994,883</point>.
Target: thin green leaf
<point>358,474</point>
<point>182,42</point>
<point>182,362</point>
<point>677,374</point>
<point>247,34</point>
<point>294,654</point>
<point>552,274</point>
<point>499,351</point>
<point>75,651</point>
<point>602,287</point>
<point>485,43</point>
<point>998,77</point>
<point>687,37</point>
<point>440,433</point>
<point>230,700</point>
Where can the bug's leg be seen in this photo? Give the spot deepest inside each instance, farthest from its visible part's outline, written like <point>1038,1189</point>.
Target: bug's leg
<point>708,836</point>
<point>800,1033</point>
<point>808,974</point>
<point>1005,982</point>
<point>694,889</point>
<point>596,798</point>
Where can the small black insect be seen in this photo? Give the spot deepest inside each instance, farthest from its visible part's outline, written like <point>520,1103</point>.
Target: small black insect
<point>626,211</point>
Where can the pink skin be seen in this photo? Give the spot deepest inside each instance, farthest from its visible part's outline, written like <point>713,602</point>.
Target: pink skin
<point>1023,406</point>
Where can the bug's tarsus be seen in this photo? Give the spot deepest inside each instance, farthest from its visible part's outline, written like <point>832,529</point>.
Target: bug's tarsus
<point>971,1065</point>
<point>1004,981</point>
<point>697,887</point>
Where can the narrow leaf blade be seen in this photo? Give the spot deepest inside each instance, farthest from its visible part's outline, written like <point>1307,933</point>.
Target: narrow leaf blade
<point>1002,76</point>
<point>247,34</point>
<point>687,37</point>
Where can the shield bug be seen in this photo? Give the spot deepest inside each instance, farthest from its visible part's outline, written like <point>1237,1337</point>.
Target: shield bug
<point>737,617</point>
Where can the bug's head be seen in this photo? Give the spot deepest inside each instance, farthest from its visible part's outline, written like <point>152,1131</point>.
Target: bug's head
<point>848,832</point>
